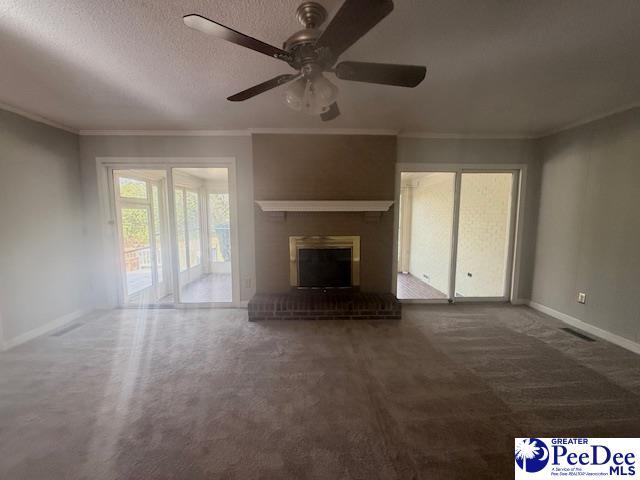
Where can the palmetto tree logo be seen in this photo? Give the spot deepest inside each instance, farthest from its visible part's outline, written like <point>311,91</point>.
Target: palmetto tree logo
<point>532,454</point>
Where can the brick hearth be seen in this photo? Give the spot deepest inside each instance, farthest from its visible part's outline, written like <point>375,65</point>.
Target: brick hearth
<point>324,306</point>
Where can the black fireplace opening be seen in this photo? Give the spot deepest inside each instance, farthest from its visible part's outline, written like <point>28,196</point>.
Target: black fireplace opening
<point>324,267</point>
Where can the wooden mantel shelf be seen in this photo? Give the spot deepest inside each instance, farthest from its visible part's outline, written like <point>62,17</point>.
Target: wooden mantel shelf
<point>324,205</point>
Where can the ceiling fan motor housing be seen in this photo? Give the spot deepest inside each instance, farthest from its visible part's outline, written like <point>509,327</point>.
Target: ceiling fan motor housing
<point>301,44</point>
<point>311,14</point>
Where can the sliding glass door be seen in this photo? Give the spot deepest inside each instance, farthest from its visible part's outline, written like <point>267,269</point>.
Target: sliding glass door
<point>203,235</point>
<point>483,235</point>
<point>175,242</point>
<point>455,235</point>
<point>141,222</point>
<point>136,241</point>
<point>425,232</point>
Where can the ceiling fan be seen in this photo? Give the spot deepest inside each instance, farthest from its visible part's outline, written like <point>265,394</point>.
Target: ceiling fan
<point>312,51</point>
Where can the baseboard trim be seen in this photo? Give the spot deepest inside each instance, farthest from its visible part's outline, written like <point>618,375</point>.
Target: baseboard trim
<point>46,328</point>
<point>587,327</point>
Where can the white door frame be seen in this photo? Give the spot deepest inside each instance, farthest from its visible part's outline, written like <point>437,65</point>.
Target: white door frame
<point>164,286</point>
<point>110,234</point>
<point>517,214</point>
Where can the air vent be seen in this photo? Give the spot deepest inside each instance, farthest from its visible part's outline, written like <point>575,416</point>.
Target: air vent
<point>65,330</point>
<point>578,334</point>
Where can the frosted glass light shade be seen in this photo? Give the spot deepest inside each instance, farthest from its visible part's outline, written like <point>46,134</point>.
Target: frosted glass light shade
<point>311,95</point>
<point>325,92</point>
<point>293,95</point>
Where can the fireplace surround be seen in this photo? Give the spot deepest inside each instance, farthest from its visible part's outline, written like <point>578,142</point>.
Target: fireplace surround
<point>324,262</point>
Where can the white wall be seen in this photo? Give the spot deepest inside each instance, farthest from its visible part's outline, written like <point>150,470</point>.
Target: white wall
<point>103,274</point>
<point>589,224</point>
<point>488,152</point>
<point>42,242</point>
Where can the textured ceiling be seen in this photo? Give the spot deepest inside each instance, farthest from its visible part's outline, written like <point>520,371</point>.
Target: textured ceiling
<point>494,66</point>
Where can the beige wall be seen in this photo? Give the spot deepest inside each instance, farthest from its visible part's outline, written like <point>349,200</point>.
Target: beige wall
<point>488,152</point>
<point>103,271</point>
<point>589,224</point>
<point>42,242</point>
<point>323,167</point>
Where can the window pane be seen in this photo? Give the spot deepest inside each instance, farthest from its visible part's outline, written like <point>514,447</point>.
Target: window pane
<point>180,230</point>
<point>208,278</point>
<point>193,224</point>
<point>137,250</point>
<point>156,227</point>
<point>130,188</point>
<point>483,234</point>
<point>219,227</point>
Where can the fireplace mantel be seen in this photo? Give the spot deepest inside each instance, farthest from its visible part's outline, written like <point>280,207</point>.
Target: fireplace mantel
<point>324,205</point>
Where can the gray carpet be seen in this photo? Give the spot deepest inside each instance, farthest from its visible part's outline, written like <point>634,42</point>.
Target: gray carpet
<point>165,394</point>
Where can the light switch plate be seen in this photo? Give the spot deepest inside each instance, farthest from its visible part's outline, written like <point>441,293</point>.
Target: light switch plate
<point>582,297</point>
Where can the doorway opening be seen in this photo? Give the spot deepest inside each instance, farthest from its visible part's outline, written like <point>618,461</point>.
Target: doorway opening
<point>426,228</point>
<point>455,235</point>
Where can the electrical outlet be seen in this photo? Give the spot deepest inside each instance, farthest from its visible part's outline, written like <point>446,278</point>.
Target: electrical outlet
<point>582,297</point>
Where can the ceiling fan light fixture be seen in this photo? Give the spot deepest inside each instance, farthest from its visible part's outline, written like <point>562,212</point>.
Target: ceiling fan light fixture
<point>312,95</point>
<point>312,51</point>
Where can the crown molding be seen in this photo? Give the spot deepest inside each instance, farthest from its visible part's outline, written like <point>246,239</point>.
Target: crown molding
<point>236,133</point>
<point>593,118</point>
<point>166,133</point>
<point>466,136</point>
<point>37,118</point>
<point>323,131</point>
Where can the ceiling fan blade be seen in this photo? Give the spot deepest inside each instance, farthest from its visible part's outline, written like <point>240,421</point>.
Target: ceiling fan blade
<point>383,73</point>
<point>261,87</point>
<point>330,114</point>
<point>204,25</point>
<point>353,20</point>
